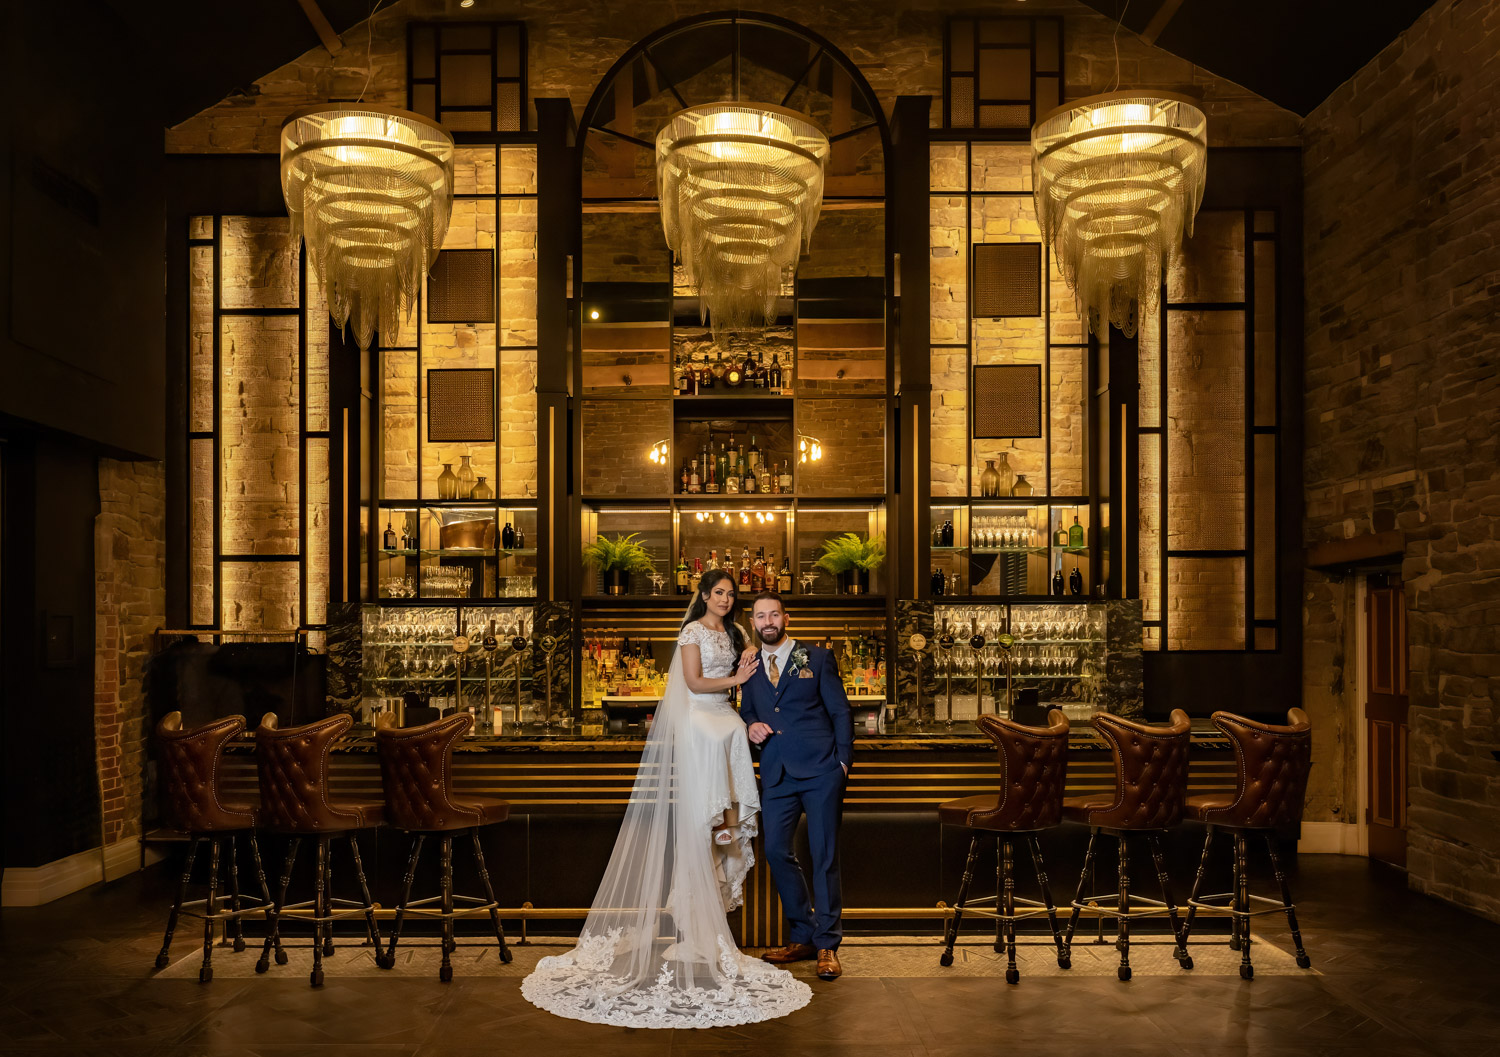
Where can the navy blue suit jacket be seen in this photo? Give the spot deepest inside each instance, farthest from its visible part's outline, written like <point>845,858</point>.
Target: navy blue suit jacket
<point>811,718</point>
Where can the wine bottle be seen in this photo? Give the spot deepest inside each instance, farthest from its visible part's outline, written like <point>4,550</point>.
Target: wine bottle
<point>683,575</point>
<point>1075,534</point>
<point>389,539</point>
<point>774,376</point>
<point>754,457</point>
<point>785,478</point>
<point>721,468</point>
<point>784,578</point>
<point>1075,581</point>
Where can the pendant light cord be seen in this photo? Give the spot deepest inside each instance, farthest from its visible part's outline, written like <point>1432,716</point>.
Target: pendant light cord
<point>370,51</point>
<point>1114,40</point>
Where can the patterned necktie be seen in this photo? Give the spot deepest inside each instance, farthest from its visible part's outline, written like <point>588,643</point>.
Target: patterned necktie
<point>774,672</point>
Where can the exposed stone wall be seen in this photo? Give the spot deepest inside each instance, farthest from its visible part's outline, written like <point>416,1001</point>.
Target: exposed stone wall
<point>1402,415</point>
<point>898,47</point>
<point>129,604</point>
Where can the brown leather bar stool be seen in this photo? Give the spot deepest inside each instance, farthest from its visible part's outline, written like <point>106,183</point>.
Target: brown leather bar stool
<point>295,802</point>
<point>1033,772</point>
<point>190,781</point>
<point>416,769</point>
<point>1273,765</point>
<point>1151,768</point>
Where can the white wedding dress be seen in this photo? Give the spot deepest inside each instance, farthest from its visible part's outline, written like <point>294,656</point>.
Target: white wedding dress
<point>656,950</point>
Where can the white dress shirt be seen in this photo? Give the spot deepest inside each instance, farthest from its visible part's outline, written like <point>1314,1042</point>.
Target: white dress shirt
<point>782,653</point>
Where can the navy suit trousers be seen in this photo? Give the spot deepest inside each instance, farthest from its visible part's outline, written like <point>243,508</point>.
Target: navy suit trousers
<point>814,917</point>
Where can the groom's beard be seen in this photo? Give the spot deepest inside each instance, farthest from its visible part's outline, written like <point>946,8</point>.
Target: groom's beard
<point>771,636</point>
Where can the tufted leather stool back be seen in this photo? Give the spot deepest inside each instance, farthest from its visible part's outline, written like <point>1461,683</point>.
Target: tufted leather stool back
<point>416,768</point>
<point>1151,769</point>
<point>1273,765</point>
<point>190,775</point>
<point>293,768</point>
<point>1033,771</point>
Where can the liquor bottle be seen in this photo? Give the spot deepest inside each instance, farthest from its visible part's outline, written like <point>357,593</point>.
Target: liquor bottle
<point>1057,582</point>
<point>765,478</point>
<point>947,533</point>
<point>758,571</point>
<point>937,581</point>
<point>953,583</point>
<point>1060,538</point>
<point>721,468</point>
<point>753,458</point>
<point>732,453</point>
<point>705,375</point>
<point>747,365</point>
<point>719,366</point>
<point>389,539</point>
<point>775,377</point>
<point>508,537</point>
<point>697,574</point>
<point>733,481</point>
<point>711,486</point>
<point>751,482</point>
<point>1075,582</point>
<point>713,558</point>
<point>1075,536</point>
<point>683,575</point>
<point>785,478</point>
<point>695,483</point>
<point>784,578</point>
<point>762,375</point>
<point>683,478</point>
<point>520,538</point>
<point>745,570</point>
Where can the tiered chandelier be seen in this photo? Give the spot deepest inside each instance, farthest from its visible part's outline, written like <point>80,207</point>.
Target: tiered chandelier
<point>1118,179</point>
<point>740,187</point>
<point>370,190</point>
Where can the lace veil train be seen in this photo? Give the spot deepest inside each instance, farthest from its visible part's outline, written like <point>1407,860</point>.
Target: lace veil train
<point>656,950</point>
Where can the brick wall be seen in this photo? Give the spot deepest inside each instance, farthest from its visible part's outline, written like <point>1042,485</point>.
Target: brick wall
<point>1402,206</point>
<point>130,603</point>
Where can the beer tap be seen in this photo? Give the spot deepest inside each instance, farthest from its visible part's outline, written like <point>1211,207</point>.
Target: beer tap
<point>490,644</point>
<point>976,643</point>
<point>918,644</point>
<point>945,644</point>
<point>548,645</point>
<point>1005,641</point>
<point>460,648</point>
<point>518,646</point>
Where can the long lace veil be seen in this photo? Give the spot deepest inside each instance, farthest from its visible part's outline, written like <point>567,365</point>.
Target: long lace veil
<point>656,949</point>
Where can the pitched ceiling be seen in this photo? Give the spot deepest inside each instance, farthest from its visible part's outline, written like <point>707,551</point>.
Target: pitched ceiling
<point>1292,52</point>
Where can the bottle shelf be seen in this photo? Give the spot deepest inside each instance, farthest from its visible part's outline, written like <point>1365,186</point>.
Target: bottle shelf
<point>852,601</point>
<point>1000,600</point>
<point>1009,550</point>
<point>450,600</point>
<point>458,552</point>
<point>486,505</point>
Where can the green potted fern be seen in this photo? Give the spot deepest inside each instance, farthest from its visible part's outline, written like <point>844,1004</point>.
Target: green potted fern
<point>616,559</point>
<point>851,558</point>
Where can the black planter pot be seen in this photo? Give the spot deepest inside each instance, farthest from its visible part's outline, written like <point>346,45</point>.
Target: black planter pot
<point>861,584</point>
<point>616,582</point>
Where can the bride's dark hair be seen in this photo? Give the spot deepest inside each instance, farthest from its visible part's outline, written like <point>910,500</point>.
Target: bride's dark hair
<point>731,619</point>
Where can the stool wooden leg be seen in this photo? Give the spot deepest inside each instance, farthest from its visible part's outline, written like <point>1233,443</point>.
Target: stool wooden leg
<point>320,912</point>
<point>1124,940</point>
<point>1242,903</point>
<point>1012,974</point>
<point>489,895</point>
<point>406,882</point>
<point>273,917</point>
<point>445,971</point>
<point>328,901</point>
<point>206,973</point>
<point>946,958</point>
<point>1187,925</point>
<point>1064,959</point>
<point>999,946</point>
<point>265,892</point>
<point>1083,878</point>
<point>1303,961</point>
<point>1181,953</point>
<point>163,959</point>
<point>234,894</point>
<point>364,892</point>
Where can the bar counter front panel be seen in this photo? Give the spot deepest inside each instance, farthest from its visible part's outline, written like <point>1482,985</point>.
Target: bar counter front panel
<point>899,867</point>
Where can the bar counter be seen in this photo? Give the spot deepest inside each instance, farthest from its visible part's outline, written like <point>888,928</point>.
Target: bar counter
<point>899,866</point>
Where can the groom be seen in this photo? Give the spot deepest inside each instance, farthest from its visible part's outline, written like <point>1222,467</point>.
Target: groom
<point>797,712</point>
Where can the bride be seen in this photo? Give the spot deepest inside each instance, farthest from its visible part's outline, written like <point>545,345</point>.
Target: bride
<point>656,950</point>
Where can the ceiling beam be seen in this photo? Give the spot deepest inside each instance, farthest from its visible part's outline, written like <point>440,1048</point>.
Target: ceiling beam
<point>323,27</point>
<point>1159,20</point>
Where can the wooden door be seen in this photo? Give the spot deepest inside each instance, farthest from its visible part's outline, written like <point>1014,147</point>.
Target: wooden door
<point>1385,718</point>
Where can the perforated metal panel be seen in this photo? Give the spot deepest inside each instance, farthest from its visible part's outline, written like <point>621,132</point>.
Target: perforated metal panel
<point>461,405</point>
<point>461,287</point>
<point>1007,279</point>
<point>1007,401</point>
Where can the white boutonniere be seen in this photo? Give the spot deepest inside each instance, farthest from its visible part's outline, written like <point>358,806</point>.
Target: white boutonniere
<point>799,659</point>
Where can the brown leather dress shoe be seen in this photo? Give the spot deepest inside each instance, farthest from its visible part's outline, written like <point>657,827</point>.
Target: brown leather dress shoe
<point>792,952</point>
<point>828,965</point>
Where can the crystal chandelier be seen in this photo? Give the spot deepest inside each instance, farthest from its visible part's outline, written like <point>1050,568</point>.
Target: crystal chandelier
<point>740,187</point>
<point>370,190</point>
<point>1118,179</point>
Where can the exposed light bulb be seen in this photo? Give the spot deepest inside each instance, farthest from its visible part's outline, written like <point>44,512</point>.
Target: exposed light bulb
<point>593,313</point>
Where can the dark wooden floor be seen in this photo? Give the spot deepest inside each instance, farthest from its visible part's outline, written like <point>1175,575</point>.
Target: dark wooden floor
<point>1398,974</point>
